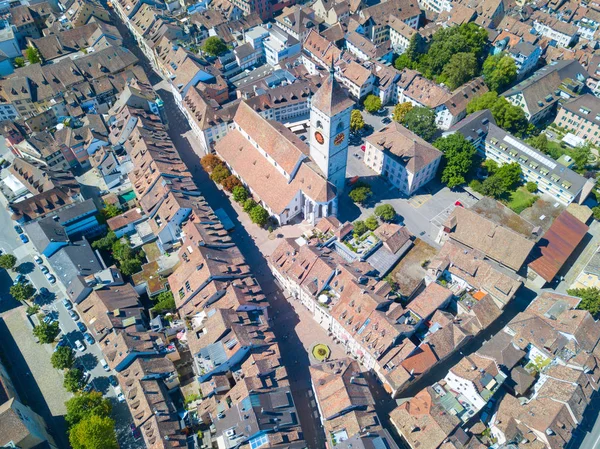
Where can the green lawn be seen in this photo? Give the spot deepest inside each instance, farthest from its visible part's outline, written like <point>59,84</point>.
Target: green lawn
<point>520,200</point>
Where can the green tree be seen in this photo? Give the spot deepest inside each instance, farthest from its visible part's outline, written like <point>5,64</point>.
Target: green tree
<point>581,156</point>
<point>94,432</point>
<point>240,194</point>
<point>499,71</point>
<point>259,215</point>
<point>23,291</point>
<point>416,47</point>
<point>164,302</point>
<point>508,117</point>
<point>404,62</point>
<point>7,261</point>
<point>46,333</point>
<point>596,212</point>
<point>531,187</point>
<point>590,299</point>
<point>372,103</point>
<point>110,211</point>
<point>510,174</point>
<point>360,193</point>
<point>220,173</point>
<point>209,162</point>
<point>386,212</point>
<point>249,204</point>
<point>63,358</point>
<point>421,121</point>
<point>85,405</point>
<point>493,186</point>
<point>130,266</point>
<point>461,68</point>
<point>400,111</point>
<point>360,227</point>
<point>33,55</point>
<point>73,381</point>
<point>105,243</point>
<point>539,142</point>
<point>19,62</point>
<point>491,166</point>
<point>371,223</point>
<point>356,121</point>
<point>214,46</point>
<point>459,156</point>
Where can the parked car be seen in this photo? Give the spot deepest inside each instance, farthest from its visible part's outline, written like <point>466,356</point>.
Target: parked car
<point>88,338</point>
<point>24,238</point>
<point>79,346</point>
<point>104,365</point>
<point>38,260</point>
<point>89,387</point>
<point>19,229</point>
<point>86,376</point>
<point>50,278</point>
<point>44,292</point>
<point>81,327</point>
<point>73,315</point>
<point>49,319</point>
<point>44,269</point>
<point>113,381</point>
<point>20,278</point>
<point>62,342</point>
<point>135,431</point>
<point>119,394</point>
<point>386,120</point>
<point>67,304</point>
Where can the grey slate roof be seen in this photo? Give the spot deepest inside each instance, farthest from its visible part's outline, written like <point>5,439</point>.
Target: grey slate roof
<point>44,231</point>
<point>502,350</point>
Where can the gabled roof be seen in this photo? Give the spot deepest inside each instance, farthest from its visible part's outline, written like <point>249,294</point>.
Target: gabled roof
<point>331,98</point>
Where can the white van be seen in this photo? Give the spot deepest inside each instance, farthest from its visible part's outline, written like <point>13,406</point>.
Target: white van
<point>104,365</point>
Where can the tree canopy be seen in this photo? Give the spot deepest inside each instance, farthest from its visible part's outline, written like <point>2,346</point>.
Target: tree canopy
<point>33,55</point>
<point>508,117</point>
<point>164,302</point>
<point>372,103</point>
<point>504,179</point>
<point>445,44</point>
<point>259,215</point>
<point>220,173</point>
<point>421,121</point>
<point>231,182</point>
<point>209,162</point>
<point>590,299</point>
<point>73,381</point>
<point>360,227</point>
<point>63,357</point>
<point>22,291</point>
<point>46,333</point>
<point>400,111</point>
<point>214,46</point>
<point>7,261</point>
<point>459,157</point>
<point>356,121</point>
<point>461,68</point>
<point>499,71</point>
<point>360,193</point>
<point>110,211</point>
<point>240,194</point>
<point>386,212</point>
<point>86,404</point>
<point>94,432</point>
<point>371,223</point>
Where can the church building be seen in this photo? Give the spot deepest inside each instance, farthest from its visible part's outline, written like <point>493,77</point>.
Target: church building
<point>288,177</point>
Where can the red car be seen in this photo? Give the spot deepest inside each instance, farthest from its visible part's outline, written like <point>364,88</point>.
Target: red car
<point>363,147</point>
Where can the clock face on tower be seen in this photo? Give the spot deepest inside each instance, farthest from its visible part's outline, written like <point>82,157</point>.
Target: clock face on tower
<point>339,139</point>
<point>319,138</point>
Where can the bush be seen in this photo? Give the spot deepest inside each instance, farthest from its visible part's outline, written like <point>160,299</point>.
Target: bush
<point>531,187</point>
<point>220,173</point>
<point>259,215</point>
<point>596,212</point>
<point>249,204</point>
<point>372,223</point>
<point>240,194</point>
<point>209,162</point>
<point>32,310</point>
<point>231,182</point>
<point>386,212</point>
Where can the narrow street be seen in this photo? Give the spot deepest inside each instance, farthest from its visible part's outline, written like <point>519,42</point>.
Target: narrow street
<point>293,352</point>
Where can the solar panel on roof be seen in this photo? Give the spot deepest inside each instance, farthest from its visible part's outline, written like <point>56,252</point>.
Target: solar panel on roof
<point>521,147</point>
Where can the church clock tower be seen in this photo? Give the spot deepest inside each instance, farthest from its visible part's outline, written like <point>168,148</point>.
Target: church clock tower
<point>330,129</point>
